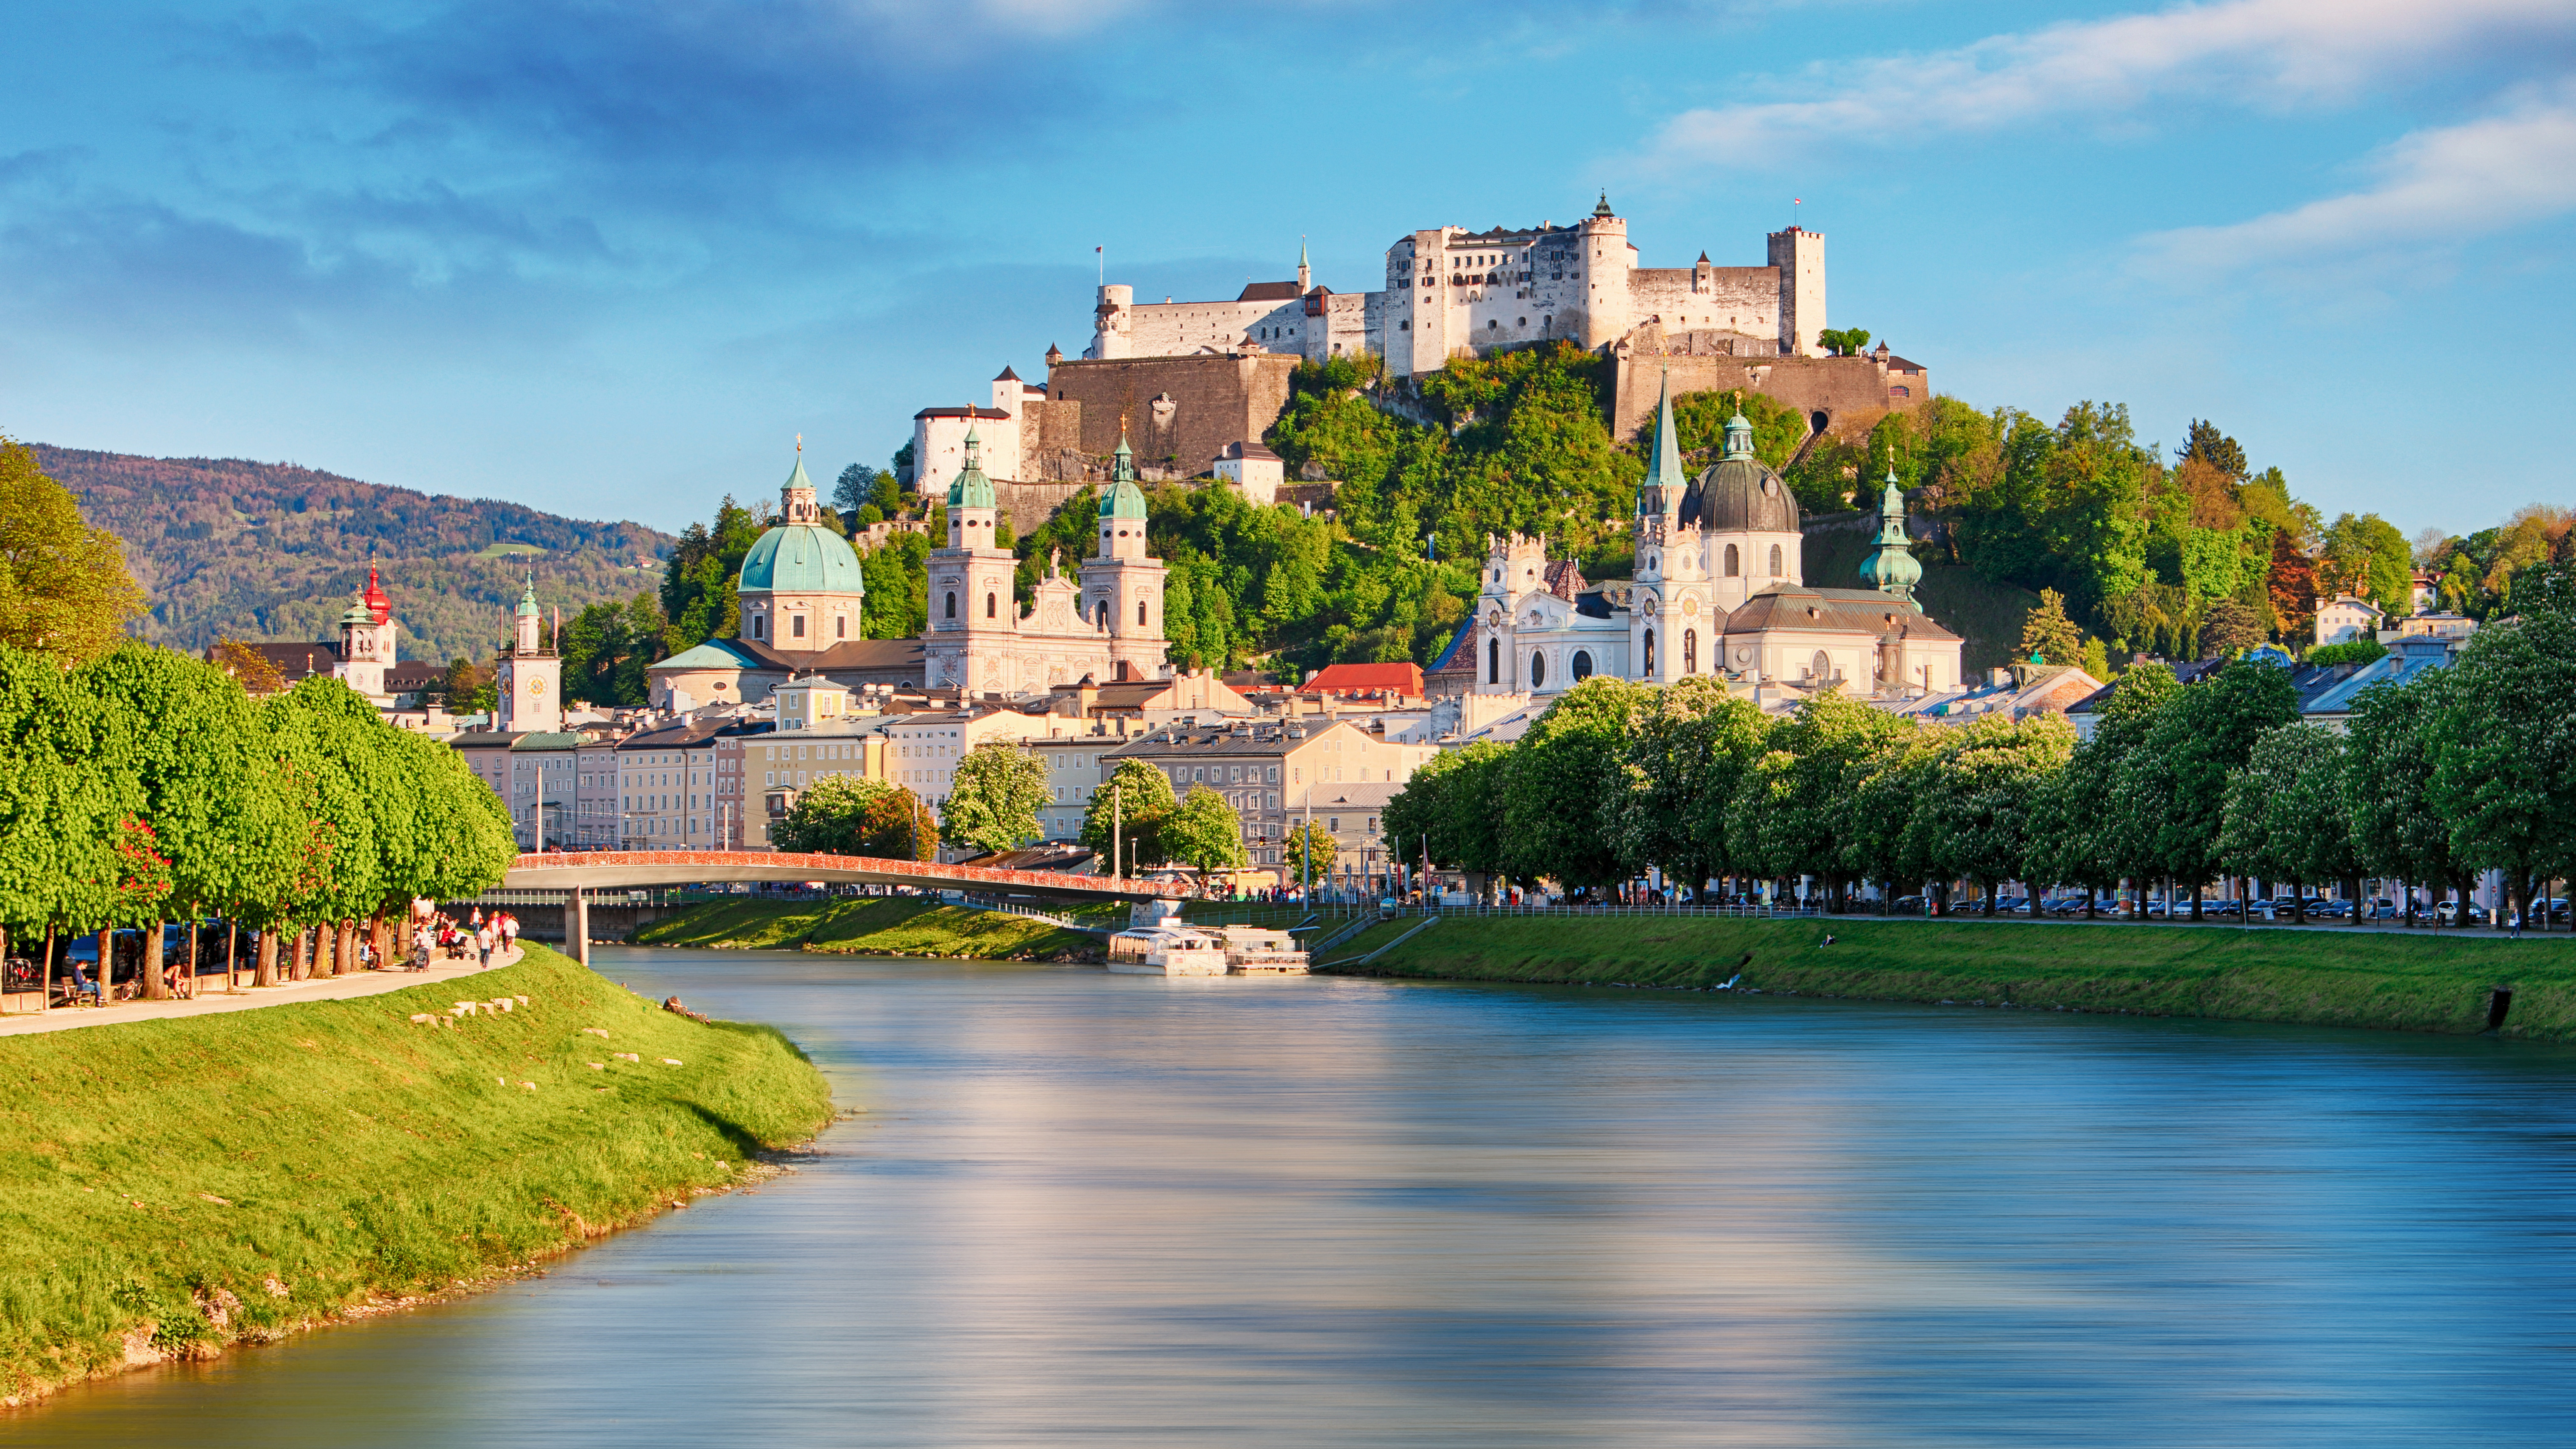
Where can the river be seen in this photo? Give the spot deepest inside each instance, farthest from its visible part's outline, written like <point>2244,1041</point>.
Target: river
<point>1085,1209</point>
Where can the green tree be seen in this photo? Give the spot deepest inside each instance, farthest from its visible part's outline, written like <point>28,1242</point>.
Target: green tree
<point>702,578</point>
<point>2284,817</point>
<point>606,649</point>
<point>994,798</point>
<point>1975,821</point>
<point>2048,634</point>
<point>1691,746</point>
<point>1310,855</point>
<point>2228,627</point>
<point>1874,818</point>
<point>830,817</point>
<point>1134,799</point>
<point>1567,782</point>
<point>1785,816</point>
<point>64,590</point>
<point>1843,341</point>
<point>856,488</point>
<point>1203,832</point>
<point>2173,786</point>
<point>2392,745</point>
<point>58,813</point>
<point>2504,773</point>
<point>2368,557</point>
<point>2215,448</point>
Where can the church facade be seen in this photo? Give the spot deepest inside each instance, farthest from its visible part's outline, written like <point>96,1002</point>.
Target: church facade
<point>1719,592</point>
<point>1107,626</point>
<point>802,594</point>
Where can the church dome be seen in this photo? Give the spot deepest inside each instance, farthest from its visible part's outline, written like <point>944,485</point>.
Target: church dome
<point>971,488</point>
<point>1738,494</point>
<point>804,558</point>
<point>1125,499</point>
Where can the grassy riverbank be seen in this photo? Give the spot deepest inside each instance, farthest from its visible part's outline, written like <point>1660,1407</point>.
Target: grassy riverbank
<point>868,926</point>
<point>169,1187</point>
<point>2322,977</point>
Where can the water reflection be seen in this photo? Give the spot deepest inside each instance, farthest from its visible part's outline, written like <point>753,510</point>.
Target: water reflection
<point>1123,1210</point>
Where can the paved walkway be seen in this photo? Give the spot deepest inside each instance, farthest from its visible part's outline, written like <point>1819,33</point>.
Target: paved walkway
<point>211,997</point>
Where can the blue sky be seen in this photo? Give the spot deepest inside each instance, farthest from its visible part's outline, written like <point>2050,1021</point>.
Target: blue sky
<point>608,257</point>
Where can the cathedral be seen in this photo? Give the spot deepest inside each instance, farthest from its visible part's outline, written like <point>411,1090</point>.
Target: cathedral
<point>801,595</point>
<point>1109,626</point>
<point>1719,591</point>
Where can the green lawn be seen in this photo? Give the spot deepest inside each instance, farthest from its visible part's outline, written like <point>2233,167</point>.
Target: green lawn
<point>2373,979</point>
<point>179,1184</point>
<point>867,926</point>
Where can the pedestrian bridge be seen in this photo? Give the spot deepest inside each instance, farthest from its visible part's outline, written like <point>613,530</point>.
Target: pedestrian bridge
<point>630,869</point>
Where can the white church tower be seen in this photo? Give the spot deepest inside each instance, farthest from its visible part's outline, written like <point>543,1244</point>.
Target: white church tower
<point>1122,588</point>
<point>530,676</point>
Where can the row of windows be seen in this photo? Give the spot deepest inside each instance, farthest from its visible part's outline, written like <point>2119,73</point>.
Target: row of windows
<point>796,626</point>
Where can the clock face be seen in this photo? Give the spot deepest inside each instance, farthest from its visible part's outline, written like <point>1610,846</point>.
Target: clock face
<point>536,686</point>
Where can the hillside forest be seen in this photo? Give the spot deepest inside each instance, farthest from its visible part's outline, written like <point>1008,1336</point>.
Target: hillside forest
<point>231,549</point>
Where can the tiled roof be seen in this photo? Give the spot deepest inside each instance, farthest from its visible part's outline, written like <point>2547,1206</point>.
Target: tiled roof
<point>1853,611</point>
<point>1268,292</point>
<point>1351,678</point>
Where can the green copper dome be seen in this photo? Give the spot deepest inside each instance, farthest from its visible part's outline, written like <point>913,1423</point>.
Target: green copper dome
<point>1126,500</point>
<point>804,558</point>
<point>528,600</point>
<point>1891,567</point>
<point>971,489</point>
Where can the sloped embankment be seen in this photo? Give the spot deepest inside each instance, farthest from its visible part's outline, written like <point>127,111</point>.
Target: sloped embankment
<point>869,926</point>
<point>2319,977</point>
<point>168,1188</point>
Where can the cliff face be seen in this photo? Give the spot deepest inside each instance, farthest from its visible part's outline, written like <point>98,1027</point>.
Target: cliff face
<point>226,548</point>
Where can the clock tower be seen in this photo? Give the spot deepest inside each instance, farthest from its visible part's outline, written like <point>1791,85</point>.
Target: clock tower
<point>529,680</point>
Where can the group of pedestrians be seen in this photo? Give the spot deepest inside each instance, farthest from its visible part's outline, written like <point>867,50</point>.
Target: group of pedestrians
<point>478,938</point>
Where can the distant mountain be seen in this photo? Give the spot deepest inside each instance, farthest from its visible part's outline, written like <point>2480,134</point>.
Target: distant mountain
<point>231,549</point>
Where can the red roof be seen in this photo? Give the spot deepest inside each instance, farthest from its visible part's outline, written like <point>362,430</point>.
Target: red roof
<point>1368,679</point>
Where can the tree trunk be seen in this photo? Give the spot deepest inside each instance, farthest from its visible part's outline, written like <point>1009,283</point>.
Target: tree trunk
<point>2092,900</point>
<point>302,966</point>
<point>264,973</point>
<point>2299,902</point>
<point>191,972</point>
<point>2195,900</point>
<point>232,955</point>
<point>152,989</point>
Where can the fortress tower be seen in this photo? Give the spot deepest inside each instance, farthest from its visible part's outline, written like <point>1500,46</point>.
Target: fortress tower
<point>1799,257</point>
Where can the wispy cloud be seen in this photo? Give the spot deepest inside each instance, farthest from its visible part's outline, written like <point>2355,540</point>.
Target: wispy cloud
<point>2254,52</point>
<point>2446,183</point>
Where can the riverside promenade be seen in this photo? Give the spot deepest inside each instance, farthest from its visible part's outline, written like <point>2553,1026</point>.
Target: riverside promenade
<point>212,999</point>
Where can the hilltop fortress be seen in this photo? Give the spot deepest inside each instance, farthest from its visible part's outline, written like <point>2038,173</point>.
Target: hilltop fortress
<point>1451,291</point>
<point>1197,384</point>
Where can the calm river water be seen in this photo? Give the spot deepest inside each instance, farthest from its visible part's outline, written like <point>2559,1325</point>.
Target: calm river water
<point>1118,1211</point>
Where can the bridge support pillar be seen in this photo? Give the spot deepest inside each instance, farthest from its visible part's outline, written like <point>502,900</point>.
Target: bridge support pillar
<point>577,920</point>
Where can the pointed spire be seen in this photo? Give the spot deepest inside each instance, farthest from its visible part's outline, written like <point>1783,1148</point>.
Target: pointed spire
<point>1603,210</point>
<point>1662,488</point>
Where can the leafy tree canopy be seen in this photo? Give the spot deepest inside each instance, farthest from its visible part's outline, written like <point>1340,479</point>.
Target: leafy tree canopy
<point>64,590</point>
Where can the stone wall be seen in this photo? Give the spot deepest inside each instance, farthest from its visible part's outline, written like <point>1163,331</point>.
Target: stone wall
<point>1180,412</point>
<point>1852,392</point>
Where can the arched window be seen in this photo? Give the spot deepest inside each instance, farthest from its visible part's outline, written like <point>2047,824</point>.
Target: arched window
<point>1104,613</point>
<point>1822,666</point>
<point>1538,670</point>
<point>952,604</point>
<point>988,606</point>
<point>1690,651</point>
<point>1140,613</point>
<point>1649,662</point>
<point>1582,665</point>
<point>1493,661</point>
<point>1777,572</point>
<point>1731,566</point>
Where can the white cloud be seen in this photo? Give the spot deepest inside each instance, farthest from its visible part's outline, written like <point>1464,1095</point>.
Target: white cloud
<point>2445,183</point>
<point>2258,52</point>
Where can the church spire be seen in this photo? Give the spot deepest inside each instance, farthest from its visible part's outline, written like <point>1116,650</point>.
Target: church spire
<point>1891,567</point>
<point>1305,277</point>
<point>1661,491</point>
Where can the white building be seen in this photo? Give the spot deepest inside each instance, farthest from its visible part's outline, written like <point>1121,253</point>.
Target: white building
<point>1449,291</point>
<point>2346,619</point>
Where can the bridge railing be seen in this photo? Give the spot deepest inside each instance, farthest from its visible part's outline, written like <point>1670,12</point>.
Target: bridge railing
<point>928,873</point>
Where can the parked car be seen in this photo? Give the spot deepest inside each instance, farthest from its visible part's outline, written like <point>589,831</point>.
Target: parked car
<point>2454,913</point>
<point>2384,911</point>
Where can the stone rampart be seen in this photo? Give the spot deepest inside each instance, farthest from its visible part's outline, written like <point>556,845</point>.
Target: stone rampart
<point>1179,412</point>
<point>1851,392</point>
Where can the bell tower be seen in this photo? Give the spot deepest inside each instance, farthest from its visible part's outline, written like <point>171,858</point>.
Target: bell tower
<point>1122,588</point>
<point>529,680</point>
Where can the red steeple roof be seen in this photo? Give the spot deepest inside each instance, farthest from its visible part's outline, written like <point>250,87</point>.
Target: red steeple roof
<point>379,608</point>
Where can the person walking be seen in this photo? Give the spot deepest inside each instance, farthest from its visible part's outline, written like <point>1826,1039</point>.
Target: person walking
<point>483,937</point>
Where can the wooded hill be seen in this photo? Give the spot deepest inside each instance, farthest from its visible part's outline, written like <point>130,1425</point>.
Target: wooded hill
<point>226,548</point>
